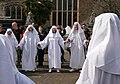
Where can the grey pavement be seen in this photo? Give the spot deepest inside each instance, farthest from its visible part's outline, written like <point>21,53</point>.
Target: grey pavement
<point>42,76</point>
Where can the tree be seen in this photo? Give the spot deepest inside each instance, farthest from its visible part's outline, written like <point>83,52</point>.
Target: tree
<point>101,6</point>
<point>40,10</point>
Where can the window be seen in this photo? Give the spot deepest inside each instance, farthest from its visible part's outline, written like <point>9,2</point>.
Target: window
<point>65,15</point>
<point>69,18</point>
<point>69,4</point>
<point>74,17</point>
<point>54,18</point>
<point>59,4</point>
<point>75,5</point>
<point>59,18</point>
<point>7,13</point>
<point>14,12</point>
<point>64,4</point>
<point>64,18</point>
<point>19,12</point>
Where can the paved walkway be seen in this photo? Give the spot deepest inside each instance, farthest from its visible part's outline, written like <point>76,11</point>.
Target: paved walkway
<point>41,76</point>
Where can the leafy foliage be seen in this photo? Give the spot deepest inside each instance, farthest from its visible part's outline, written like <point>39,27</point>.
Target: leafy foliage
<point>39,8</point>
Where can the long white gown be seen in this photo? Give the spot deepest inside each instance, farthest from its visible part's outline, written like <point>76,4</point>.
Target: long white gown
<point>103,57</point>
<point>29,47</point>
<point>54,41</point>
<point>77,47</point>
<point>13,42</point>
<point>9,74</point>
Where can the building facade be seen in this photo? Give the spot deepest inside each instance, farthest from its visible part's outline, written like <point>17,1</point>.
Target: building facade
<point>10,11</point>
<point>65,12</point>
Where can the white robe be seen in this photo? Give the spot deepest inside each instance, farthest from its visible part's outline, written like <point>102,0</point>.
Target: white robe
<point>103,57</point>
<point>68,30</point>
<point>54,41</point>
<point>77,48</point>
<point>29,47</point>
<point>13,42</point>
<point>9,74</point>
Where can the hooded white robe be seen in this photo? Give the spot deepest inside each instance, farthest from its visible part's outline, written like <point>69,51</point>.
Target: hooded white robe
<point>68,30</point>
<point>54,41</point>
<point>29,47</point>
<point>9,74</point>
<point>77,47</point>
<point>103,57</point>
<point>13,42</point>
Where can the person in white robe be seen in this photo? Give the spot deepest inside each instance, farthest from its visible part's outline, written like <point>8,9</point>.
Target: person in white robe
<point>68,30</point>
<point>103,56</point>
<point>9,73</point>
<point>76,39</point>
<point>54,41</point>
<point>29,46</point>
<point>10,35</point>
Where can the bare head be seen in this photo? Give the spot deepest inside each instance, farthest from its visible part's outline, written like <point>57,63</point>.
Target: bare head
<point>14,25</point>
<point>40,29</point>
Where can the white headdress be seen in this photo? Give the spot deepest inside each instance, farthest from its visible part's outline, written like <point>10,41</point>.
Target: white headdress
<point>12,35</point>
<point>51,34</point>
<point>34,30</point>
<point>104,47</point>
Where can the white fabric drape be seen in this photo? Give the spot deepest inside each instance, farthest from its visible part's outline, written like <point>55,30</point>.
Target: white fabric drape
<point>29,47</point>
<point>9,74</point>
<point>13,42</point>
<point>68,30</point>
<point>54,41</point>
<point>77,48</point>
<point>103,57</point>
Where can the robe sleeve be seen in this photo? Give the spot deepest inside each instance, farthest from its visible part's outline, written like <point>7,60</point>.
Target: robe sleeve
<point>84,40</point>
<point>37,39</point>
<point>43,43</point>
<point>61,42</point>
<point>15,43</point>
<point>22,42</point>
<point>68,44</point>
<point>83,37</point>
<point>70,37</point>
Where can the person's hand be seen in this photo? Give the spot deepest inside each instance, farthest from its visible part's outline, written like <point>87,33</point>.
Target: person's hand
<point>18,46</point>
<point>65,42</point>
<point>38,46</point>
<point>86,42</point>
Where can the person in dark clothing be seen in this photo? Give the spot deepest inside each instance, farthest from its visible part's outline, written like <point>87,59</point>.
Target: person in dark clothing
<point>86,31</point>
<point>62,32</point>
<point>2,31</point>
<point>40,53</point>
<point>87,35</point>
<point>18,34</point>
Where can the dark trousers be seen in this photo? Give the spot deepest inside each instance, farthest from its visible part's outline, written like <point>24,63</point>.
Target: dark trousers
<point>40,55</point>
<point>19,52</point>
<point>69,50</point>
<point>62,57</point>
